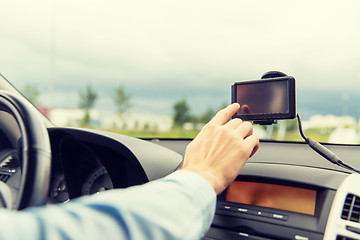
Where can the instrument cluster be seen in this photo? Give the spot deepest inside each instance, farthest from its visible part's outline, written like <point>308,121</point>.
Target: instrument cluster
<point>97,181</point>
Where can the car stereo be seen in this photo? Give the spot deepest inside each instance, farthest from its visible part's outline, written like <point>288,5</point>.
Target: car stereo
<point>266,209</point>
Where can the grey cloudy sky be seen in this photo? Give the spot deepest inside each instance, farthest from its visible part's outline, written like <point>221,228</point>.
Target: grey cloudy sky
<point>164,50</point>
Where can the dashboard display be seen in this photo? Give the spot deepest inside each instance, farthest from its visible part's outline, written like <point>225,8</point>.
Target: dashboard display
<point>98,181</point>
<point>274,196</point>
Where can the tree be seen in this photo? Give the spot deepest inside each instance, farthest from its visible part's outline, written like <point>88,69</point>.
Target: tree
<point>181,113</point>
<point>122,100</point>
<point>207,115</point>
<point>87,102</point>
<point>210,113</point>
<point>31,93</point>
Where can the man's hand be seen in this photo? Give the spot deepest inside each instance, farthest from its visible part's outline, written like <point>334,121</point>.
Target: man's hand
<point>221,149</point>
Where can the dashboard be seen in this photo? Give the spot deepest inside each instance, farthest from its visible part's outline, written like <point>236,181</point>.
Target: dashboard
<point>285,191</point>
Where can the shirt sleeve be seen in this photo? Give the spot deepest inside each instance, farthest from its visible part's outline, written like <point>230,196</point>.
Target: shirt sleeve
<point>179,206</point>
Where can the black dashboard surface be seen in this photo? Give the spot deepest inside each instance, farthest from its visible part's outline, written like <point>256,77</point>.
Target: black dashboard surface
<point>288,153</point>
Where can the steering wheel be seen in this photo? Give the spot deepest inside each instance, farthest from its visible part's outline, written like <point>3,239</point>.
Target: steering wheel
<point>33,151</point>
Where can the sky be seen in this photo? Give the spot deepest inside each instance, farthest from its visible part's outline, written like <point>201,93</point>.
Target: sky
<point>162,51</point>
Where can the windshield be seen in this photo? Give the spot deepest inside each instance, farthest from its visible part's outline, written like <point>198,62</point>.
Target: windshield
<point>161,69</point>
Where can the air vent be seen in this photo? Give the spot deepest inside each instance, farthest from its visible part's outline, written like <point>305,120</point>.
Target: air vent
<point>351,209</point>
<point>344,238</point>
<point>10,162</point>
<point>4,177</point>
<point>8,167</point>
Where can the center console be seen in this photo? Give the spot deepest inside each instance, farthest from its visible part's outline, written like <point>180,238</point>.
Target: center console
<point>275,206</point>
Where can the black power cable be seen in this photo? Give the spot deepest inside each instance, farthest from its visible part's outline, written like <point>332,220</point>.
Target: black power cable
<point>322,150</point>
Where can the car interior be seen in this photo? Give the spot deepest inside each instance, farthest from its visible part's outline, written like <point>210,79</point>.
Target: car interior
<point>206,54</point>
<point>286,191</point>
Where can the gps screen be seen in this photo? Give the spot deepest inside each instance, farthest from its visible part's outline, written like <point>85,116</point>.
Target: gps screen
<point>263,98</point>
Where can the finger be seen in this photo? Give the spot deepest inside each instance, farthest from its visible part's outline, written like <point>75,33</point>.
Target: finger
<point>245,129</point>
<point>234,123</point>
<point>253,142</point>
<point>223,115</point>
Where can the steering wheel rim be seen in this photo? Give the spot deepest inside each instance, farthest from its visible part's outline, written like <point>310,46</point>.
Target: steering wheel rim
<point>35,151</point>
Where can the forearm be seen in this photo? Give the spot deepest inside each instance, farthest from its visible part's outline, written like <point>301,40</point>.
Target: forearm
<point>180,206</point>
